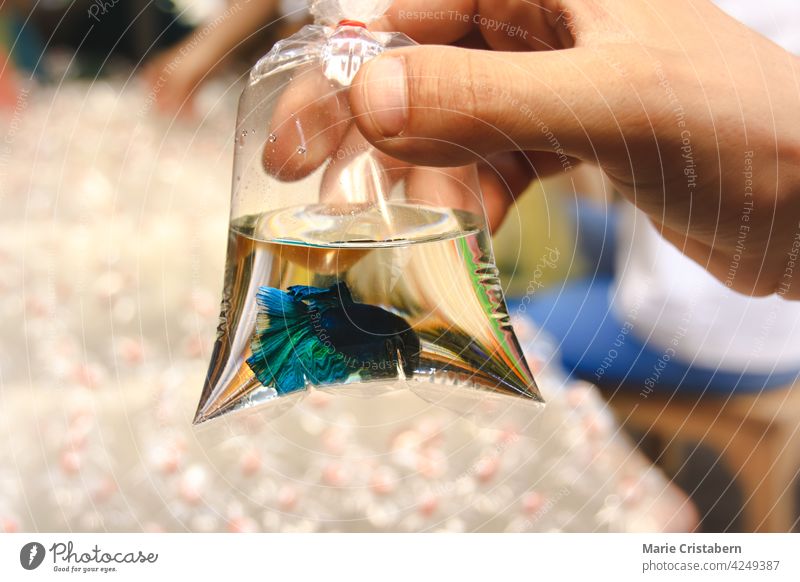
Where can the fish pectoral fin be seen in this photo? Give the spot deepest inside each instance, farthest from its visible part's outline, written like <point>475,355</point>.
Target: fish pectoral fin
<point>402,356</point>
<point>393,350</point>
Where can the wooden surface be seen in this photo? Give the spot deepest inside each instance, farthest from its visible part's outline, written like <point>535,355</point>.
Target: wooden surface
<point>756,437</point>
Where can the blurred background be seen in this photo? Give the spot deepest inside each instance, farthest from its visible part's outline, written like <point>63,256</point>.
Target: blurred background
<point>670,399</point>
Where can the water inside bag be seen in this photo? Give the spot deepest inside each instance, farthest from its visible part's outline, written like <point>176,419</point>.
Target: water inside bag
<point>433,271</point>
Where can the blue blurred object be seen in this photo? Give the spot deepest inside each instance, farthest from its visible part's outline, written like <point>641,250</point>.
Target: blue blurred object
<point>25,44</point>
<point>596,345</point>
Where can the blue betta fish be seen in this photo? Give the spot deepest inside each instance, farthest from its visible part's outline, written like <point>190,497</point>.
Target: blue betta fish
<point>321,336</point>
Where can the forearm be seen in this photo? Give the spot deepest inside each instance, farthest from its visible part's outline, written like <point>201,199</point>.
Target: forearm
<point>241,19</point>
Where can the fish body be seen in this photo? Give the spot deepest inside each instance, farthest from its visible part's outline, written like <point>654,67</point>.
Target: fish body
<point>310,335</point>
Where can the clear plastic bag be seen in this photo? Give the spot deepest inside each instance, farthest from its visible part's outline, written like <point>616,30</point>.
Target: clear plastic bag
<point>348,269</point>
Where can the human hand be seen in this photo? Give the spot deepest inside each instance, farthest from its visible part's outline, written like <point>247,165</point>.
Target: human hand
<point>175,74</point>
<point>311,128</point>
<point>178,72</point>
<point>692,115</point>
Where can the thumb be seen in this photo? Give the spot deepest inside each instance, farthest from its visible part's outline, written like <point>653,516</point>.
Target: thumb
<point>439,105</point>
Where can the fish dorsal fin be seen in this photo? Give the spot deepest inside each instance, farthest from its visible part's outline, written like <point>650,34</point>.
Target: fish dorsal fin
<point>318,298</point>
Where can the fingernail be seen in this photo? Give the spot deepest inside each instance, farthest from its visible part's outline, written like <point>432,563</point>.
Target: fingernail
<point>386,97</point>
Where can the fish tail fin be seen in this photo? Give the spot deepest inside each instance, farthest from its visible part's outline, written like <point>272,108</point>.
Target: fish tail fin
<point>287,351</point>
<point>283,331</point>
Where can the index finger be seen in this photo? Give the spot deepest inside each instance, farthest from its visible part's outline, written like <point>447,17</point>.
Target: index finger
<point>310,119</point>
